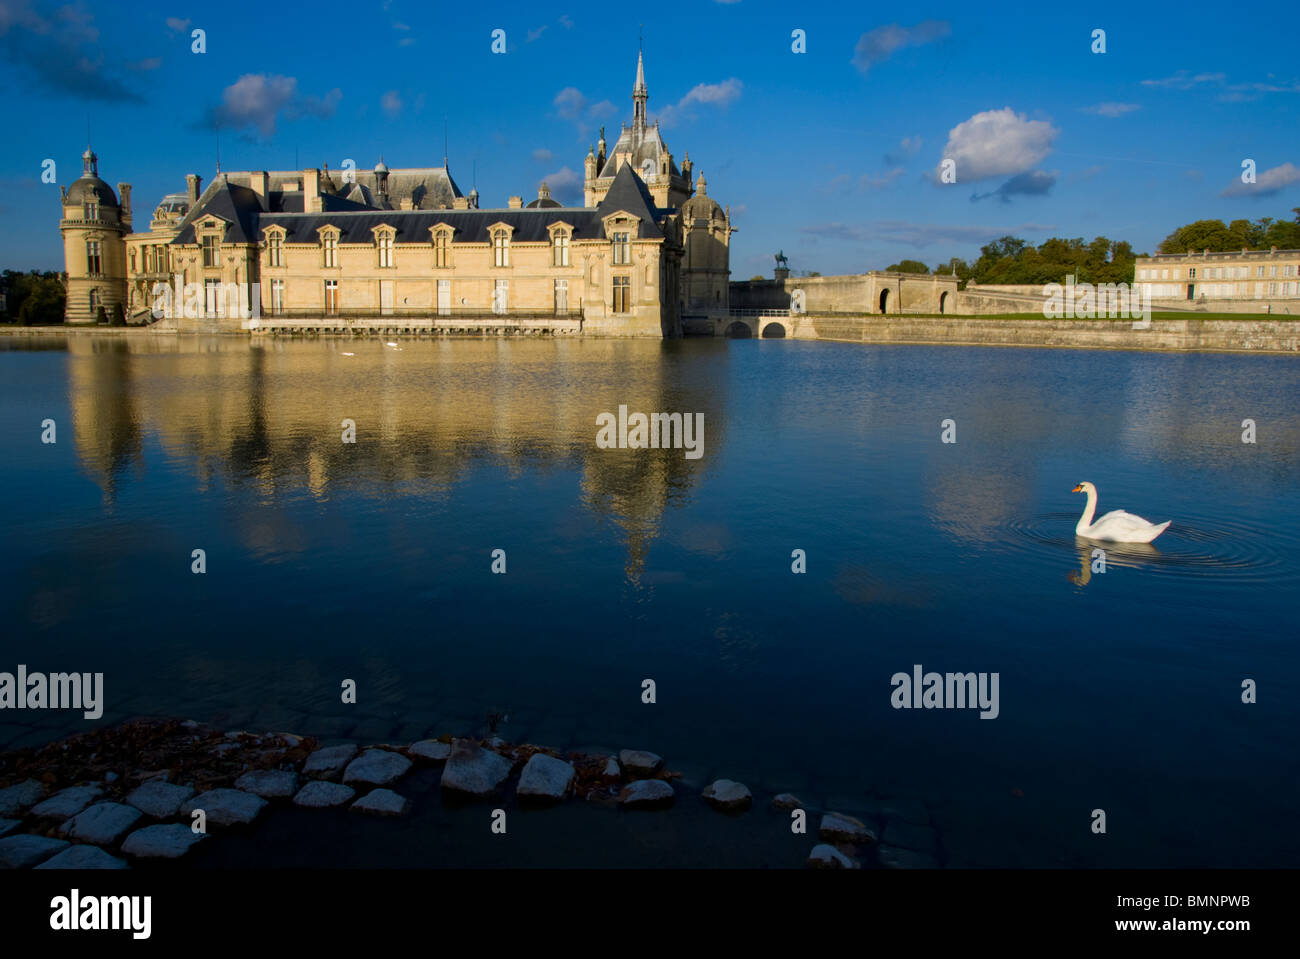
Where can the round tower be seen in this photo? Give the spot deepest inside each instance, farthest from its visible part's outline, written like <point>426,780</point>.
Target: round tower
<point>94,252</point>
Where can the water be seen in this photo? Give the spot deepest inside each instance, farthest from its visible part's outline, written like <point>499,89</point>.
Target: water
<point>325,561</point>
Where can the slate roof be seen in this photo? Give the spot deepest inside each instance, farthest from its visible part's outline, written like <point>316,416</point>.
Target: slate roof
<point>241,208</point>
<point>628,192</point>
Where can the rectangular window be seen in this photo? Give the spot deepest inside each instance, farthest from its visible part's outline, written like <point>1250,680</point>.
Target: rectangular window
<point>1272,271</point>
<point>277,297</point>
<point>1259,271</point>
<point>1191,272</point>
<point>385,249</point>
<point>385,297</point>
<point>330,244</point>
<point>500,248</point>
<point>275,251</point>
<point>331,296</point>
<point>90,211</point>
<point>94,259</point>
<point>210,254</point>
<point>499,296</point>
<point>561,250</point>
<point>444,297</point>
<point>622,294</point>
<point>622,250</point>
<point>441,251</point>
<point>132,259</point>
<point>561,296</point>
<point>211,297</point>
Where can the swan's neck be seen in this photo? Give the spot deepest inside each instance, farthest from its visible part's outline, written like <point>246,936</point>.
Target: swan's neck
<point>1088,510</point>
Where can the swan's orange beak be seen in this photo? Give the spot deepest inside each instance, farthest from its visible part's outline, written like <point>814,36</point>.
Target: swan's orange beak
<point>1077,489</point>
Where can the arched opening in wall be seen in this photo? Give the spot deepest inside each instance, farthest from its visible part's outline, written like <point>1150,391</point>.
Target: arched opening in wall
<point>943,302</point>
<point>884,301</point>
<point>737,331</point>
<point>774,331</point>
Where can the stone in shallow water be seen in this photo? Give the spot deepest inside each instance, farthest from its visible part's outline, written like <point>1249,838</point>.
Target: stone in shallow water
<point>164,841</point>
<point>19,798</point>
<point>328,762</point>
<point>728,796</point>
<point>381,802</point>
<point>159,799</point>
<point>377,767</point>
<point>545,779</point>
<point>825,856</point>
<point>892,857</point>
<point>104,823</point>
<point>25,850</point>
<point>612,769</point>
<point>837,827</point>
<point>319,794</point>
<point>647,793</point>
<point>83,857</point>
<point>787,801</point>
<point>226,807</point>
<point>66,803</point>
<point>638,762</point>
<point>269,783</point>
<point>473,770</point>
<point>430,750</point>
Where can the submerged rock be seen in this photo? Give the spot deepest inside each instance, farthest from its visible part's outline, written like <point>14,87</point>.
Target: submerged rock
<point>83,857</point>
<point>163,841</point>
<point>837,827</point>
<point>104,823</point>
<point>728,796</point>
<point>226,807</point>
<point>328,762</point>
<point>612,769</point>
<point>381,802</point>
<point>25,850</point>
<point>430,750</point>
<point>826,856</point>
<point>545,779</point>
<point>787,801</point>
<point>66,803</point>
<point>377,767</point>
<point>320,794</point>
<point>473,770</point>
<point>269,783</point>
<point>647,793</point>
<point>17,799</point>
<point>159,799</point>
<point>638,762</point>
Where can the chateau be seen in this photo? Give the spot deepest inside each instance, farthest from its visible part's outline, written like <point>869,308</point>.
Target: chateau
<point>315,247</point>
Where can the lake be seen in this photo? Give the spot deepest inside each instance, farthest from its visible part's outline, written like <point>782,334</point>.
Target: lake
<point>1119,690</point>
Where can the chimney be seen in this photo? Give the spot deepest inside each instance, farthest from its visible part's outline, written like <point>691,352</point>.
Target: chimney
<point>460,203</point>
<point>516,202</point>
<point>193,180</point>
<point>259,182</point>
<point>311,202</point>
<point>124,195</point>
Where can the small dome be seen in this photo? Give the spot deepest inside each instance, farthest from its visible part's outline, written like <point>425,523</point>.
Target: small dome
<point>380,167</point>
<point>91,188</point>
<point>702,207</point>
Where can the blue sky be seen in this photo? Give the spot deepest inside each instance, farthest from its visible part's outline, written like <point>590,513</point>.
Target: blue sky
<point>830,155</point>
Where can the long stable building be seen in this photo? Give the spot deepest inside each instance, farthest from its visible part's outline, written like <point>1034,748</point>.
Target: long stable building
<point>645,249</point>
<point>1263,275</point>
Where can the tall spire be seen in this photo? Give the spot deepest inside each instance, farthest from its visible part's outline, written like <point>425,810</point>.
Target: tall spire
<point>639,95</point>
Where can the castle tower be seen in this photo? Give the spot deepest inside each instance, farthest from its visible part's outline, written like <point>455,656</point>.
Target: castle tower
<point>94,253</point>
<point>706,263</point>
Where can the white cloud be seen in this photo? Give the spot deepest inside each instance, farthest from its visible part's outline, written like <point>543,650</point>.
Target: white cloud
<point>569,102</point>
<point>535,34</point>
<point>1182,80</point>
<point>542,155</point>
<point>998,143</point>
<point>177,25</point>
<point>1111,109</point>
<point>391,103</point>
<point>565,186</point>
<point>257,99</point>
<point>1267,183</point>
<point>876,46</point>
<point>711,94</point>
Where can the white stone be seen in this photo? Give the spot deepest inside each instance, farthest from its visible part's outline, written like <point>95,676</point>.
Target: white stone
<point>787,801</point>
<point>638,762</point>
<point>430,750</point>
<point>381,802</point>
<point>647,792</point>
<point>159,799</point>
<point>19,798</point>
<point>226,807</point>
<point>545,778</point>
<point>319,794</point>
<point>25,850</point>
<point>728,796</point>
<point>612,769</point>
<point>66,803</point>
<point>377,767</point>
<point>473,770</point>
<point>269,783</point>
<point>83,857</point>
<point>104,823</point>
<point>825,856</point>
<point>328,762</point>
<point>837,827</point>
<point>163,841</point>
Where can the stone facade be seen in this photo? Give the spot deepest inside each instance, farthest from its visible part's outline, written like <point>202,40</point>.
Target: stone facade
<point>1223,281</point>
<point>259,249</point>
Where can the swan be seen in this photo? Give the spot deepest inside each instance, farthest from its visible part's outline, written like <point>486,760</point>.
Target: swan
<point>1116,526</point>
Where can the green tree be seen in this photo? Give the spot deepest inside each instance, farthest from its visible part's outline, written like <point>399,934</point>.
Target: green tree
<point>908,266</point>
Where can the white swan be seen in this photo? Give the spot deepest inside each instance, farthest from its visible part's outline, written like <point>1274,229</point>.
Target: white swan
<point>1116,526</point>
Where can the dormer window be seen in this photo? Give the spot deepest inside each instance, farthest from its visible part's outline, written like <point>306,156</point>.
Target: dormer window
<point>329,249</point>
<point>211,251</point>
<point>442,249</point>
<point>90,210</point>
<point>501,247</point>
<point>622,249</point>
<point>384,243</point>
<point>275,249</point>
<point>560,248</point>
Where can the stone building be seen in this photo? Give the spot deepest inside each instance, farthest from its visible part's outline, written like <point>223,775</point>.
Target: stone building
<point>1249,279</point>
<point>291,247</point>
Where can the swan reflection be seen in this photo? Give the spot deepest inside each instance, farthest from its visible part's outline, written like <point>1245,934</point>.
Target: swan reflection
<point>1096,558</point>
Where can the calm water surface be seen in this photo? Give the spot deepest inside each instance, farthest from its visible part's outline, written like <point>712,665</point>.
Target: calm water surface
<point>326,561</point>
